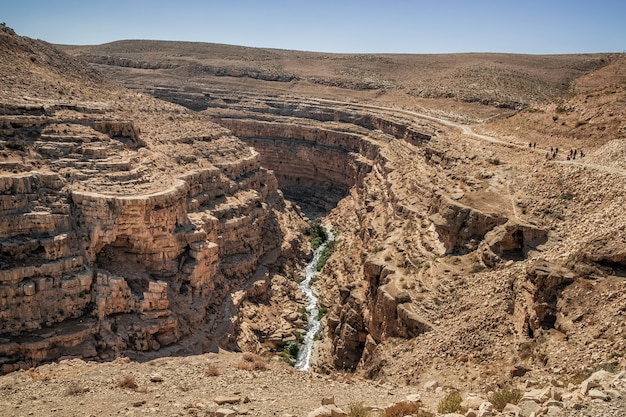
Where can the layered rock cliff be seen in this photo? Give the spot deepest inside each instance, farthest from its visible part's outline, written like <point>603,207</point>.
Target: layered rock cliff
<point>128,224</point>
<point>400,199</point>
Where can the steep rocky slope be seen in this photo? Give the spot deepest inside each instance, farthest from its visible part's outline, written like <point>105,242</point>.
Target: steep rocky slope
<point>128,224</point>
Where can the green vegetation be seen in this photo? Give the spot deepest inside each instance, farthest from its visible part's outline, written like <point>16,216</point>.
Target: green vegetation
<point>304,314</point>
<point>451,403</point>
<point>321,311</point>
<point>358,410</point>
<point>319,335</point>
<point>317,234</point>
<point>476,268</point>
<point>505,396</point>
<point>609,366</point>
<point>328,250</point>
<point>562,108</point>
<point>289,353</point>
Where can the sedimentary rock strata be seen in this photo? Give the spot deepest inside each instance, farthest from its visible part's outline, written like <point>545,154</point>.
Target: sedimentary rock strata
<point>135,227</point>
<point>103,249</point>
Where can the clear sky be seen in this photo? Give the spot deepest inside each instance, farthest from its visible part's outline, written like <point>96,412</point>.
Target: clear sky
<point>363,26</point>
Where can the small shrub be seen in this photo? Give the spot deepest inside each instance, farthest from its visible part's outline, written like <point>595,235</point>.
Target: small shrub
<point>322,311</point>
<point>567,196</point>
<point>358,410</point>
<point>505,396</point>
<point>476,268</point>
<point>328,250</point>
<point>562,108</point>
<point>127,381</point>
<point>319,335</point>
<point>304,314</point>
<point>212,370</point>
<point>402,409</point>
<point>75,388</point>
<point>252,362</point>
<point>292,349</point>
<point>451,403</point>
<point>578,377</point>
<point>20,145</point>
<point>317,234</point>
<point>608,366</point>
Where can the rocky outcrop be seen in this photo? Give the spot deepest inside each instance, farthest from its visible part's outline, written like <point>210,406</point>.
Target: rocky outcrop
<point>121,229</point>
<point>314,166</point>
<point>511,241</point>
<point>130,261</point>
<point>540,296</point>
<point>391,311</point>
<point>461,228</point>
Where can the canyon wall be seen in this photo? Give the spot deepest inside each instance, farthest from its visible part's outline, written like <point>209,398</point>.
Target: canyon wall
<point>315,149</point>
<point>387,186</point>
<point>99,259</point>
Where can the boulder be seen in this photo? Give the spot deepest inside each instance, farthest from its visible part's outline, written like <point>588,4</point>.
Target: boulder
<point>221,400</point>
<point>596,394</point>
<point>528,407</point>
<point>511,409</point>
<point>485,409</point>
<point>472,401</point>
<point>594,381</point>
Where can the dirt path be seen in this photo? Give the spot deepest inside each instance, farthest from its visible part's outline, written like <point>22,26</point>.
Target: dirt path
<point>468,131</point>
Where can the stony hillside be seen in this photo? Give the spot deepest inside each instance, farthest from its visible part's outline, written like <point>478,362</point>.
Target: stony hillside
<point>471,257</point>
<point>128,224</point>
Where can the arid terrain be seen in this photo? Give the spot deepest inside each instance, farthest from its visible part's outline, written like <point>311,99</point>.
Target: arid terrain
<point>156,217</point>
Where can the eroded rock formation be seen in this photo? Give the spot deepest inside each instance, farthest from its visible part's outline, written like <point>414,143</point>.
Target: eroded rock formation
<point>122,232</point>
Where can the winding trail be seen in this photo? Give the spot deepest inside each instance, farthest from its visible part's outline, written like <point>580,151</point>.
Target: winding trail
<point>468,131</point>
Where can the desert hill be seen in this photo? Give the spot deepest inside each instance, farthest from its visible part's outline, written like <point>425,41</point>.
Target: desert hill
<point>466,260</point>
<point>508,81</point>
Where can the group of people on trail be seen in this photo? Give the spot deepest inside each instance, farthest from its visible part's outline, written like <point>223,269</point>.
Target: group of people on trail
<point>572,154</point>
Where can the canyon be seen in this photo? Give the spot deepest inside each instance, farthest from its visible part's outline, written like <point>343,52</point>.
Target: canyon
<point>168,216</point>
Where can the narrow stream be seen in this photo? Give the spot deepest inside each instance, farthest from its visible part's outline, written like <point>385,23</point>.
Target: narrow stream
<point>313,326</point>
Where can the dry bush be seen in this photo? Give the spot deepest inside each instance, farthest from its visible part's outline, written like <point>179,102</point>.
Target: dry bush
<point>402,409</point>
<point>358,410</point>
<point>212,370</point>
<point>451,403</point>
<point>74,388</point>
<point>505,396</point>
<point>36,375</point>
<point>127,381</point>
<point>252,362</point>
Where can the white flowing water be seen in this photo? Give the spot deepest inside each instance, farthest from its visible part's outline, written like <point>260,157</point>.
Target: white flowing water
<point>313,326</point>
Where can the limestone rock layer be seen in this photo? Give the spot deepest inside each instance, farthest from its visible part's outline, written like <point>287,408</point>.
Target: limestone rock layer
<point>127,224</point>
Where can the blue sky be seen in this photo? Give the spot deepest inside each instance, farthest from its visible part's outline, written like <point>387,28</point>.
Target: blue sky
<point>365,26</point>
